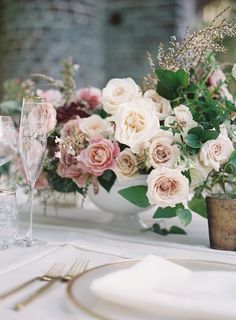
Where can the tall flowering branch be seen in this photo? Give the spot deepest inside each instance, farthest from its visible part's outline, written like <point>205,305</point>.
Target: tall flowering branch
<point>195,47</point>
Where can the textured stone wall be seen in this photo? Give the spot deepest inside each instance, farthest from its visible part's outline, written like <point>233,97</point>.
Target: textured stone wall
<point>107,38</point>
<point>35,35</point>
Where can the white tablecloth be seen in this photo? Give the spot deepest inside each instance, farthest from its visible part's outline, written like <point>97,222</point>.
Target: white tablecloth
<point>90,236</point>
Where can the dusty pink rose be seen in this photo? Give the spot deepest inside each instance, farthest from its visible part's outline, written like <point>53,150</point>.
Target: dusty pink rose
<point>69,167</point>
<point>99,155</point>
<point>167,187</point>
<point>43,117</point>
<point>72,127</point>
<point>90,95</point>
<point>217,76</point>
<point>41,182</point>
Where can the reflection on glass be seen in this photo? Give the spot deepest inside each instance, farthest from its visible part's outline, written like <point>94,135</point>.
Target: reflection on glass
<point>32,146</point>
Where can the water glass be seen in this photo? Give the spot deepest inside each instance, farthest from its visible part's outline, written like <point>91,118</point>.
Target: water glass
<point>8,217</point>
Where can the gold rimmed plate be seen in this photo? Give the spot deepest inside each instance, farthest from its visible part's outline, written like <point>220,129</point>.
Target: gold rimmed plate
<point>82,297</point>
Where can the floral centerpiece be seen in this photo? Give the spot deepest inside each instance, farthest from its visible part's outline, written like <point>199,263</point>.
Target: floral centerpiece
<point>178,128</point>
<point>64,102</point>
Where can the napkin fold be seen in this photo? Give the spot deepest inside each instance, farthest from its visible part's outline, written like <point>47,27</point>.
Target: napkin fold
<point>165,289</point>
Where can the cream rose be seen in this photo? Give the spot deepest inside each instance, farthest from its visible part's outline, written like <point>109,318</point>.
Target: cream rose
<point>184,117</point>
<point>126,165</point>
<point>136,122</point>
<point>162,152</point>
<point>96,126</point>
<point>163,107</point>
<point>167,187</point>
<point>213,153</point>
<point>117,92</point>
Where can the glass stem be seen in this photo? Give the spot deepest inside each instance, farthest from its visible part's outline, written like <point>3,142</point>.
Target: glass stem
<point>29,233</point>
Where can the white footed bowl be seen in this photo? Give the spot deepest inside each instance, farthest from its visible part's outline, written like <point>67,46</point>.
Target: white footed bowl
<point>125,213</point>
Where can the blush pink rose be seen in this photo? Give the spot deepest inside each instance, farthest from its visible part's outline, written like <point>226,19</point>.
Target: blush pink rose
<point>99,155</point>
<point>42,181</point>
<point>90,95</point>
<point>53,96</point>
<point>43,117</point>
<point>73,172</point>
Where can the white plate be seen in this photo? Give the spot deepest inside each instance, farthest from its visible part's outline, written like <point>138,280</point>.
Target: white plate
<point>82,297</point>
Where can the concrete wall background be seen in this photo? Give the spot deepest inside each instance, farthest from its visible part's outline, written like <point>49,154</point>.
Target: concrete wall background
<point>108,38</point>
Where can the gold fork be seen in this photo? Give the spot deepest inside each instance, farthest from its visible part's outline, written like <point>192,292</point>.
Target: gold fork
<point>78,267</point>
<point>48,276</point>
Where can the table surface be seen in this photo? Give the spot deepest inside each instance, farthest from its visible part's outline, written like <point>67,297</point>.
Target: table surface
<point>90,234</point>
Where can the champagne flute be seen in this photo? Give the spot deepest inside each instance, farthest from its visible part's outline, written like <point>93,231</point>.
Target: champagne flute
<point>32,147</point>
<point>8,140</point>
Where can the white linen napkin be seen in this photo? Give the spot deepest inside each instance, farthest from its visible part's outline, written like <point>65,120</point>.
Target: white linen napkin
<point>165,289</point>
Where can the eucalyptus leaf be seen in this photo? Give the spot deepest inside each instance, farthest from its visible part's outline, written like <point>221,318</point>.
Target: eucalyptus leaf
<point>192,141</point>
<point>198,205</point>
<point>184,215</point>
<point>167,212</point>
<point>164,232</point>
<point>107,179</point>
<point>136,195</point>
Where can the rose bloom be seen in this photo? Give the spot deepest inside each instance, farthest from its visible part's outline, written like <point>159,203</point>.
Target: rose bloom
<point>71,128</point>
<point>43,117</point>
<point>117,92</point>
<point>99,155</point>
<point>91,95</point>
<point>41,182</point>
<point>69,167</point>
<point>217,76</point>
<point>96,126</point>
<point>167,187</point>
<point>199,173</point>
<point>213,153</point>
<point>136,122</point>
<point>163,107</point>
<point>53,96</point>
<point>126,165</point>
<point>162,152</point>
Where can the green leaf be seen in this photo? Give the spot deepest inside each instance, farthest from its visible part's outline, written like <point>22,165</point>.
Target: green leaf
<point>170,83</point>
<point>198,205</point>
<point>64,185</point>
<point>232,159</point>
<point>209,135</point>
<point>177,230</point>
<point>197,131</point>
<point>136,195</point>
<point>164,232</point>
<point>107,179</point>
<point>184,215</point>
<point>167,212</point>
<point>193,141</point>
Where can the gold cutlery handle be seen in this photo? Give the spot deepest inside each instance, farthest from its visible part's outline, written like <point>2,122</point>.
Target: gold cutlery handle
<point>35,295</point>
<point>18,288</point>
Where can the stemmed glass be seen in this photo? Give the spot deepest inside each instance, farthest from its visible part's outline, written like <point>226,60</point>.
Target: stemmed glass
<point>8,140</point>
<point>32,147</point>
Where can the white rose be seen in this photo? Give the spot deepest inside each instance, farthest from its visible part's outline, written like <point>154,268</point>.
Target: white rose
<point>96,126</point>
<point>162,152</point>
<point>167,187</point>
<point>117,92</point>
<point>184,117</point>
<point>163,107</point>
<point>126,165</point>
<point>136,122</point>
<point>213,153</point>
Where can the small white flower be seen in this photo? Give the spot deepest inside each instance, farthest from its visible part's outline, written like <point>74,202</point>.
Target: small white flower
<point>58,154</point>
<point>58,140</point>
